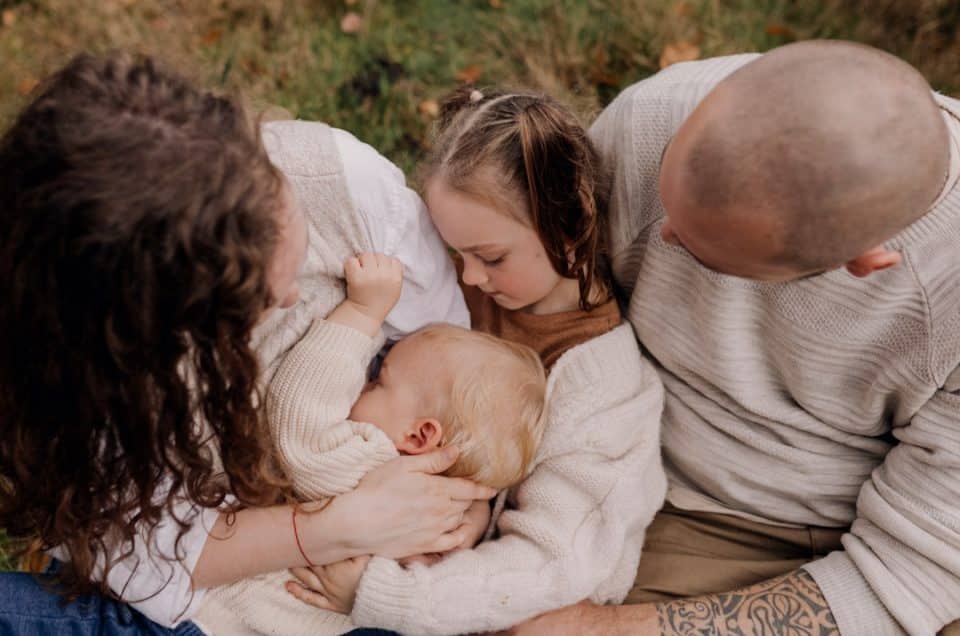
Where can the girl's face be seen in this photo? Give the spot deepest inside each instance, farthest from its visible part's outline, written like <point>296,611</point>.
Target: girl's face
<point>501,256</point>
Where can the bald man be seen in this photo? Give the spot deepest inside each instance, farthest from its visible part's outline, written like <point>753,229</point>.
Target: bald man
<point>787,229</point>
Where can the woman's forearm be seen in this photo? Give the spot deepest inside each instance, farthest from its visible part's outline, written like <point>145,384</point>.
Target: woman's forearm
<point>399,509</point>
<point>258,540</point>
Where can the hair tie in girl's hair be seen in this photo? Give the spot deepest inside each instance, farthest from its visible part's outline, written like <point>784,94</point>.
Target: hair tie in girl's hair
<point>475,96</point>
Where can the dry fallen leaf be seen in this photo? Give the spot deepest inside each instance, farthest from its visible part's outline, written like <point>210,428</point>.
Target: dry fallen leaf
<point>682,51</point>
<point>429,107</point>
<point>9,17</point>
<point>351,22</point>
<point>682,9</point>
<point>350,3</point>
<point>251,66</point>
<point>780,31</point>
<point>496,4</point>
<point>26,86</point>
<point>211,37</point>
<point>470,74</point>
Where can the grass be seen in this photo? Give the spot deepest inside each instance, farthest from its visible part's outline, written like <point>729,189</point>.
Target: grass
<point>7,562</point>
<point>381,80</point>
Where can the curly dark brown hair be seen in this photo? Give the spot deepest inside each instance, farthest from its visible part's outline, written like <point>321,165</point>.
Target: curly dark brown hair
<point>538,149</point>
<point>138,218</point>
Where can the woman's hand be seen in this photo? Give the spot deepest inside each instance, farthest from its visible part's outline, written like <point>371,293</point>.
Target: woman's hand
<point>475,522</point>
<point>404,508</point>
<point>331,587</point>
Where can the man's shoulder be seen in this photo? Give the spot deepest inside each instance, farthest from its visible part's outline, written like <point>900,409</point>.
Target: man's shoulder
<point>686,82</point>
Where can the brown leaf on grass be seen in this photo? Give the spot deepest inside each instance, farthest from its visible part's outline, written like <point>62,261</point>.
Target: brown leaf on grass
<point>351,22</point>
<point>26,85</point>
<point>599,74</point>
<point>211,37</point>
<point>682,9</point>
<point>350,3</point>
<point>9,17</point>
<point>780,31</point>
<point>470,74</point>
<point>682,51</point>
<point>429,107</point>
<point>496,4</point>
<point>251,66</point>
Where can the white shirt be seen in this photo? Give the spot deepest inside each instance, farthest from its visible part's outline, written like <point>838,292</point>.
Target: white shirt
<point>398,225</point>
<point>397,222</point>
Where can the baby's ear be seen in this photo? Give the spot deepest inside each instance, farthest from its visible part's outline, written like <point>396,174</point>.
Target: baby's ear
<point>425,435</point>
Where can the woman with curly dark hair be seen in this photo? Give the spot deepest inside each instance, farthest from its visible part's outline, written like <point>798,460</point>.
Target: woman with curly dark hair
<point>144,234</point>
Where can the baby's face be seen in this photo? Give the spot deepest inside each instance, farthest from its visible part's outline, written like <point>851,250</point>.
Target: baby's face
<point>397,397</point>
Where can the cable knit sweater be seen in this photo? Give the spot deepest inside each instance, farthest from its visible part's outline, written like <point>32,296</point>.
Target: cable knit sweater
<point>826,401</point>
<point>325,455</point>
<point>575,526</point>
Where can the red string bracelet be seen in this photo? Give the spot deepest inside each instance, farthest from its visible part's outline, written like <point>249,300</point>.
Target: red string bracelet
<point>296,536</point>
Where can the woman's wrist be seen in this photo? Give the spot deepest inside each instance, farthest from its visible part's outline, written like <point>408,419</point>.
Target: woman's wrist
<point>325,532</point>
<point>259,540</point>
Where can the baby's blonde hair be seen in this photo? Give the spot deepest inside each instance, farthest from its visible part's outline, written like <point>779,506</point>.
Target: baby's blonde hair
<point>494,412</point>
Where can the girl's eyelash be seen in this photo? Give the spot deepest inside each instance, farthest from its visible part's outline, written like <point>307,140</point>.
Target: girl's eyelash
<point>492,261</point>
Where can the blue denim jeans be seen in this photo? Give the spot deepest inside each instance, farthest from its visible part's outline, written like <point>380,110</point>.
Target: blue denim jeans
<point>28,608</point>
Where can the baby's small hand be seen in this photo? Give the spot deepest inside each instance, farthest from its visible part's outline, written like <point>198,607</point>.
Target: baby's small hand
<point>374,282</point>
<point>331,587</point>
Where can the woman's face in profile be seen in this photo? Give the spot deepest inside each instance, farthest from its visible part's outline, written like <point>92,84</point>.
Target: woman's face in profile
<point>290,253</point>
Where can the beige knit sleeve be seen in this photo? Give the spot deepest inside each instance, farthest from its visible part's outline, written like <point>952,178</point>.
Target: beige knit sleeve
<point>308,402</point>
<point>900,568</point>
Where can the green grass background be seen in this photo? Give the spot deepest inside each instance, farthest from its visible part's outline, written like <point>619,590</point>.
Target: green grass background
<point>382,80</point>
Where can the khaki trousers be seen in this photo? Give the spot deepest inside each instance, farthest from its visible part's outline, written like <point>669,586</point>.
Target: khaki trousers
<point>696,553</point>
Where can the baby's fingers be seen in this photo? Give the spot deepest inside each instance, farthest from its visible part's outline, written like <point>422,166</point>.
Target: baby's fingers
<point>450,540</point>
<point>352,267</point>
<point>367,259</point>
<point>396,268</point>
<point>308,578</point>
<point>309,597</point>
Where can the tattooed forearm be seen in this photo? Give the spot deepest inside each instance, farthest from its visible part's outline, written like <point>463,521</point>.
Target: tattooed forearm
<point>791,605</point>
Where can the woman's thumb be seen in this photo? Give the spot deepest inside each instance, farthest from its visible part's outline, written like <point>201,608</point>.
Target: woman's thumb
<point>436,461</point>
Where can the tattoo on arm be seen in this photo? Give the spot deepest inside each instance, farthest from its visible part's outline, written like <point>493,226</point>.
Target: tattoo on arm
<point>792,605</point>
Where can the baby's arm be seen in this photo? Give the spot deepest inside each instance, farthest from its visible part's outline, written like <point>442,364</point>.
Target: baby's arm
<point>316,384</point>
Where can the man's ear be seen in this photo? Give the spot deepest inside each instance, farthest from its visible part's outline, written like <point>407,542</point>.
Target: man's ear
<point>873,261</point>
<point>425,435</point>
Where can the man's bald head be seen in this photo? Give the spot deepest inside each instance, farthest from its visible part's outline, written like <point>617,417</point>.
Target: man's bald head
<point>805,159</point>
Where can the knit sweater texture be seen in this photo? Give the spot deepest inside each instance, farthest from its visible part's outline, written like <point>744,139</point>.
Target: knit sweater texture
<point>829,401</point>
<point>573,529</point>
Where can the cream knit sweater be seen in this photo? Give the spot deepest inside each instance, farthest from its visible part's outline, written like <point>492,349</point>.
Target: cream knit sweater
<point>572,530</point>
<point>826,401</point>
